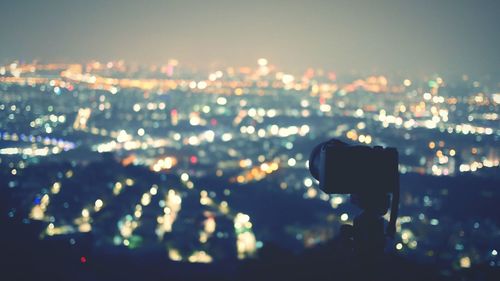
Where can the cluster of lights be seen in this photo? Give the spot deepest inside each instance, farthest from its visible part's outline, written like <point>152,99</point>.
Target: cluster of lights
<point>408,239</point>
<point>474,166</point>
<point>256,173</point>
<point>354,136</point>
<point>40,207</point>
<point>427,112</point>
<point>165,163</point>
<point>129,223</point>
<point>209,226</point>
<point>246,244</point>
<point>51,145</point>
<point>171,207</point>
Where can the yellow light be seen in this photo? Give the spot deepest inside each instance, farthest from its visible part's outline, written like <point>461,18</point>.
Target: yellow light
<point>465,262</point>
<point>85,227</point>
<point>312,192</point>
<point>98,205</point>
<point>174,255</point>
<point>56,187</point>
<point>37,213</point>
<point>117,188</point>
<point>439,153</point>
<point>146,199</point>
<point>432,145</point>
<point>238,91</point>
<point>200,257</point>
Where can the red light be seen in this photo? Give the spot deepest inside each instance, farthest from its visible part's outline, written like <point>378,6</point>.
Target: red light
<point>193,159</point>
<point>83,259</point>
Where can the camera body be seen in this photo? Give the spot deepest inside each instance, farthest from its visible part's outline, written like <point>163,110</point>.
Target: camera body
<point>370,175</point>
<point>346,169</point>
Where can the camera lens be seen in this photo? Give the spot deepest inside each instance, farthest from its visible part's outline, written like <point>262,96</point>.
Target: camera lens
<point>314,164</point>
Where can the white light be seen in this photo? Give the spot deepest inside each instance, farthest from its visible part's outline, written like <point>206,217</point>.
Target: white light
<point>221,101</point>
<point>184,177</point>
<point>344,217</point>
<point>308,182</point>
<point>325,108</point>
<point>227,137</point>
<point>262,62</point>
<point>287,78</point>
<point>202,85</point>
<point>85,213</point>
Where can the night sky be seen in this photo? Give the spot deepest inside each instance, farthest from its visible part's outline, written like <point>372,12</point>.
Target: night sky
<point>408,37</point>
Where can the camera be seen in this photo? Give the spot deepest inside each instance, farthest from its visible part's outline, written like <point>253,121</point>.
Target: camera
<point>369,174</point>
<point>354,169</point>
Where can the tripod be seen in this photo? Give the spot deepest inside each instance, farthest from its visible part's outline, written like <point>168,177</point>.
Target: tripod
<point>363,242</point>
<point>367,237</point>
<point>368,227</point>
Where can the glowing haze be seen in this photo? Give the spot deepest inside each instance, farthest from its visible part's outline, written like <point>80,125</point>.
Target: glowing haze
<point>412,37</point>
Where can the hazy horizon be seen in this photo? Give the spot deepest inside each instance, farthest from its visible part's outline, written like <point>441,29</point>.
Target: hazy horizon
<point>387,36</point>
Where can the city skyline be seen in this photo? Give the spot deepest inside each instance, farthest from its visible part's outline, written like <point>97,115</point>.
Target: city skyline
<point>211,147</point>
